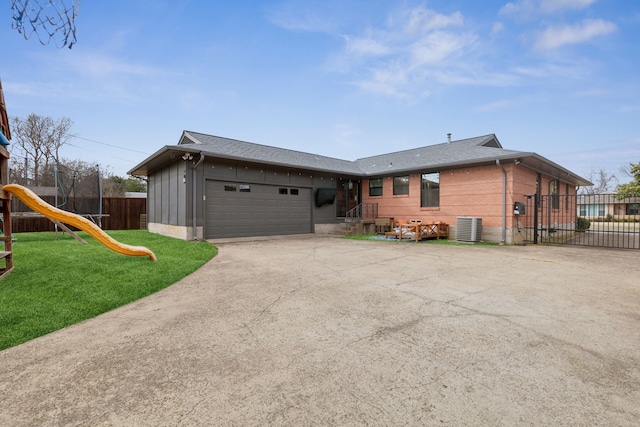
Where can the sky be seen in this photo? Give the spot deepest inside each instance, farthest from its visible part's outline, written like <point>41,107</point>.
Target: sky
<point>339,78</point>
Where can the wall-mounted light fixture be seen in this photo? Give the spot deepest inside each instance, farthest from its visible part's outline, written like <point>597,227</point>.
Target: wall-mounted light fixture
<point>187,156</point>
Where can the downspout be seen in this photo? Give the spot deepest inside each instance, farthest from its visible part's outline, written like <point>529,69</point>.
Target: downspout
<point>504,202</point>
<point>193,197</point>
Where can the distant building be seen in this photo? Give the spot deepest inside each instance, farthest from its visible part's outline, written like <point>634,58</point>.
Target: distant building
<point>135,195</point>
<point>600,206</point>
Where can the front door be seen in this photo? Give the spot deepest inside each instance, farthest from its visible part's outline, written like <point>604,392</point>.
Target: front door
<point>347,197</point>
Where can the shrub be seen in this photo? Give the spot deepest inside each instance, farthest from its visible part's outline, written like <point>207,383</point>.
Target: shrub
<point>582,224</point>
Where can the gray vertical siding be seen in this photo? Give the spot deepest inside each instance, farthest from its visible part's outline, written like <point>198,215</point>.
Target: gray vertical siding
<point>170,199</point>
<point>167,195</point>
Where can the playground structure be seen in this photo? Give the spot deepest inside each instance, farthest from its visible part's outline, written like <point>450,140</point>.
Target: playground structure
<point>48,19</point>
<point>58,216</point>
<point>35,203</point>
<point>6,254</point>
<point>38,205</point>
<point>5,203</point>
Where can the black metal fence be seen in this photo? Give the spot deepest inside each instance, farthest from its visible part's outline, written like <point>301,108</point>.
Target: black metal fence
<point>603,220</point>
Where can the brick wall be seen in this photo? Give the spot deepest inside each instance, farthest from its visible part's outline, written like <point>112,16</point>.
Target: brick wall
<point>474,191</point>
<point>463,192</point>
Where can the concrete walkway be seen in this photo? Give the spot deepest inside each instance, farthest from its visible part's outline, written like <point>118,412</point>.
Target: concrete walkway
<point>327,331</point>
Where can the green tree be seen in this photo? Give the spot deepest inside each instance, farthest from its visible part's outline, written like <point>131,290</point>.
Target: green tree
<point>116,186</point>
<point>632,188</point>
<point>135,185</point>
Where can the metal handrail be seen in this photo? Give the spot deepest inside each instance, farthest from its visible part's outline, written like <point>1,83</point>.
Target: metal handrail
<point>362,211</point>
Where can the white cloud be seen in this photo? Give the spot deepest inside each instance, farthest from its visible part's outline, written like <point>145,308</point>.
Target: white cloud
<point>552,6</point>
<point>437,47</point>
<point>35,89</point>
<point>494,106</point>
<point>415,50</point>
<point>530,9</point>
<point>574,70</point>
<point>389,81</point>
<point>307,22</point>
<point>408,52</point>
<point>421,20</point>
<point>558,36</point>
<point>497,28</point>
<point>365,46</point>
<point>308,16</point>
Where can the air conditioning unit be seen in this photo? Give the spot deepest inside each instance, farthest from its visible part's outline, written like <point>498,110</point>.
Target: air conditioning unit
<point>468,229</point>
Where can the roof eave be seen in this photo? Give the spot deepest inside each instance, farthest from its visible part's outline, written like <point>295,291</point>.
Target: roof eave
<point>160,158</point>
<point>169,153</point>
<point>526,159</point>
<point>564,174</point>
<point>487,161</point>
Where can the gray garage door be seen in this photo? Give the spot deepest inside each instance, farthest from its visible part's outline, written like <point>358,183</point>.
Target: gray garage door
<point>243,210</point>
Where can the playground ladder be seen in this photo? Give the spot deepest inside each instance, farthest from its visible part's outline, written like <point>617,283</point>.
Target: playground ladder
<point>6,239</point>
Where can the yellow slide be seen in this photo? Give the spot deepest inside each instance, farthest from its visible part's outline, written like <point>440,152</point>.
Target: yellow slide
<point>38,205</point>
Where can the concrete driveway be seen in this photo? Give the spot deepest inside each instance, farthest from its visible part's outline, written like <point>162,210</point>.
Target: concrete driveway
<point>325,331</point>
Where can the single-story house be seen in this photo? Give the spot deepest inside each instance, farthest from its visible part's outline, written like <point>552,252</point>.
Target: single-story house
<point>601,206</point>
<point>212,187</point>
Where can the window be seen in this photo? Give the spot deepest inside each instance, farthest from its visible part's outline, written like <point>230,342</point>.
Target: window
<point>592,210</point>
<point>284,191</point>
<point>400,185</point>
<point>430,190</point>
<point>633,208</point>
<point>555,197</point>
<point>294,192</point>
<point>245,188</point>
<point>230,187</point>
<point>375,187</point>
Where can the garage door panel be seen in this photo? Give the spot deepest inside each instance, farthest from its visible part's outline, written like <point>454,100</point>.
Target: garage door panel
<point>262,211</point>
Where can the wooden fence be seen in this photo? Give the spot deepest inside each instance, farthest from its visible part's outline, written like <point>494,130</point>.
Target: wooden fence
<point>119,213</point>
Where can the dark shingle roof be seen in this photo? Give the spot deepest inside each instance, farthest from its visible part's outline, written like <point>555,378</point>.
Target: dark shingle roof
<point>248,151</point>
<point>459,152</point>
<point>481,150</point>
<point>455,153</point>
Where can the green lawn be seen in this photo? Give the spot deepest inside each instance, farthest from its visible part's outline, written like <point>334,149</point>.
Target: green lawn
<point>56,283</point>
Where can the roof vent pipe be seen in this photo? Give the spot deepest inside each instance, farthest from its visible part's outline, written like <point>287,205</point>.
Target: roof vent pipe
<point>448,138</point>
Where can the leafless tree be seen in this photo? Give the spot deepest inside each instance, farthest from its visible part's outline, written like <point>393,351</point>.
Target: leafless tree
<point>39,138</point>
<point>602,182</point>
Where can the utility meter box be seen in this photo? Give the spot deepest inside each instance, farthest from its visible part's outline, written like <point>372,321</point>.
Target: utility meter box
<point>518,208</point>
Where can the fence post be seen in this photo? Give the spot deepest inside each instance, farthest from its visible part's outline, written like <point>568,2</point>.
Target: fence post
<point>536,205</point>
